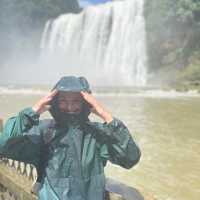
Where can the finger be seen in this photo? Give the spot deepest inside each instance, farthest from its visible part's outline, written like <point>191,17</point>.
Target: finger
<point>84,96</point>
<point>92,110</point>
<point>47,107</point>
<point>50,96</point>
<point>53,93</point>
<point>87,96</point>
<point>48,99</point>
<point>83,93</point>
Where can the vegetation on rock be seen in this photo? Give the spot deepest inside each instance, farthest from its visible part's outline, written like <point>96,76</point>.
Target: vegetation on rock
<point>173,38</point>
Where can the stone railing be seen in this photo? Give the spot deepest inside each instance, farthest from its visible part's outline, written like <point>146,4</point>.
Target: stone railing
<point>27,170</point>
<point>17,178</point>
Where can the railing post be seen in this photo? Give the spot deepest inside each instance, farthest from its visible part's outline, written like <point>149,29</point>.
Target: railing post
<point>11,171</point>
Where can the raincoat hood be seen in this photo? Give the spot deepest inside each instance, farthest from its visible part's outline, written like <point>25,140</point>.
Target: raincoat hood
<point>70,84</point>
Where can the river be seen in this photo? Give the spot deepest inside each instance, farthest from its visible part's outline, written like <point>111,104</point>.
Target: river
<point>164,124</point>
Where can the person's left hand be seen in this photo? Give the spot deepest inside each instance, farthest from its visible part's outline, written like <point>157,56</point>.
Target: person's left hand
<point>1,123</point>
<point>97,108</point>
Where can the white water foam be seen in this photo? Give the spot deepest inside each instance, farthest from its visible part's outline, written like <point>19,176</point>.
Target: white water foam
<point>139,93</point>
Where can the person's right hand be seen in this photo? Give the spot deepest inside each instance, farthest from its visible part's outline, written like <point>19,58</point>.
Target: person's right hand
<point>43,104</point>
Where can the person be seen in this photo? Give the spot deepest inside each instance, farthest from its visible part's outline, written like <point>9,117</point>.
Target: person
<point>1,124</point>
<point>69,151</point>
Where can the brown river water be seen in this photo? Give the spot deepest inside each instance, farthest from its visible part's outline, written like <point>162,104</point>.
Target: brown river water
<point>166,127</point>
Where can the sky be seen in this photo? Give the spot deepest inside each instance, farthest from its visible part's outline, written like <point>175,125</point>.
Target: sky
<point>85,3</point>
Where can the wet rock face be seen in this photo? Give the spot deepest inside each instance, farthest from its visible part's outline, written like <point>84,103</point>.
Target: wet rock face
<point>72,6</point>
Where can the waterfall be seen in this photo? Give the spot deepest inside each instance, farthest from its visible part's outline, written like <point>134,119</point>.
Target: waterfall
<point>105,43</point>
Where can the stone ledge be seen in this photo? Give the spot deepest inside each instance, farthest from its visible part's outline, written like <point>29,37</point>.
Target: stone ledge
<point>16,183</point>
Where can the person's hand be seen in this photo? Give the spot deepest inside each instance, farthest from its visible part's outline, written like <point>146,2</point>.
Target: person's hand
<point>43,104</point>
<point>1,119</point>
<point>97,108</point>
<point>1,123</point>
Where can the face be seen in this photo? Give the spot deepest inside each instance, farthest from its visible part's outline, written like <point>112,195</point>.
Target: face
<point>70,102</point>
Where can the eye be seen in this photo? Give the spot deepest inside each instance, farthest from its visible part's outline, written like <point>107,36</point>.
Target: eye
<point>61,100</point>
<point>77,101</point>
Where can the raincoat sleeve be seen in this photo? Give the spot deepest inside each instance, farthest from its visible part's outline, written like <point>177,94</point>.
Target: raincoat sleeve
<point>117,145</point>
<point>20,138</point>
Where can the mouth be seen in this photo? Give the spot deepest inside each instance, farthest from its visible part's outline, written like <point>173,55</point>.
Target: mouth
<point>71,112</point>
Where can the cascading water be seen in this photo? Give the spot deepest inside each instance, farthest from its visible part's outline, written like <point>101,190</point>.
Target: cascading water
<point>106,43</point>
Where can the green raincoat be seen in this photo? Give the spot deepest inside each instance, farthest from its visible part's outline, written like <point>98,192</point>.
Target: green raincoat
<point>69,151</point>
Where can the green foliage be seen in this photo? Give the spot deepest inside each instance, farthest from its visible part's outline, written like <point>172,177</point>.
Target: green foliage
<point>33,12</point>
<point>188,11</point>
<point>168,11</point>
<point>192,71</point>
<point>173,27</point>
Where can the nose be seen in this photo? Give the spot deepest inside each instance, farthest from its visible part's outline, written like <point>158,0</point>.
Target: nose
<point>69,107</point>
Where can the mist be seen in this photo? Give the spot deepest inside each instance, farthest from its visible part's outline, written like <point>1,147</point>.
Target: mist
<point>83,44</point>
<point>21,27</point>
